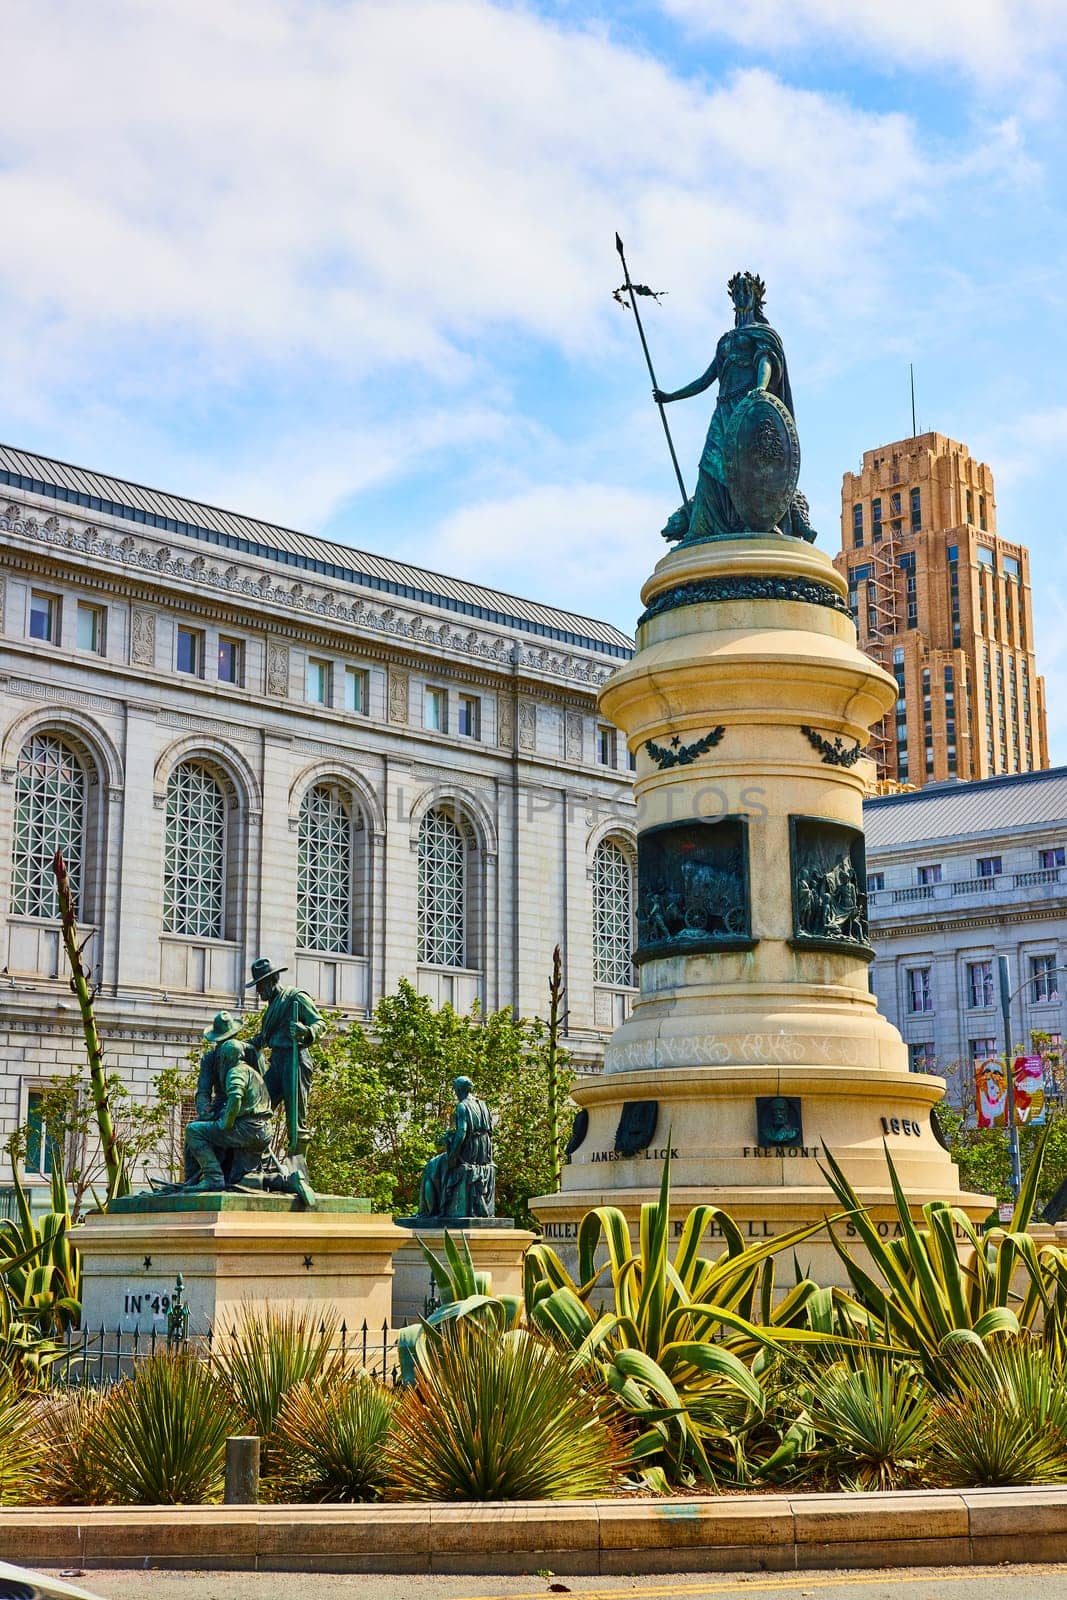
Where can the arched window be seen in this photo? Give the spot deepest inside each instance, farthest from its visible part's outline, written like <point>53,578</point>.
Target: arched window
<point>613,896</point>
<point>442,897</point>
<point>324,872</point>
<point>194,868</point>
<point>50,807</point>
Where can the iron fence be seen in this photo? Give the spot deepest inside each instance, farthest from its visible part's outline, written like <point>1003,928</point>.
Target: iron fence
<point>93,1358</point>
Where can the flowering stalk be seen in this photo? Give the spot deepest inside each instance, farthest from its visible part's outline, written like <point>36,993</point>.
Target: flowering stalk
<point>118,1177</point>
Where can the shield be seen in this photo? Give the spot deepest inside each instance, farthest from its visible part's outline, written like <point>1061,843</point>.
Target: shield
<point>762,460</point>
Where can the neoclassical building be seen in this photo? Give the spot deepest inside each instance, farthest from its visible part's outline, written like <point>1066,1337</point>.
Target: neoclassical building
<point>957,874</point>
<point>248,741</point>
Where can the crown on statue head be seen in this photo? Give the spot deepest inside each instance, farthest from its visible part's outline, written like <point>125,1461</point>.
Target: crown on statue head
<point>748,279</point>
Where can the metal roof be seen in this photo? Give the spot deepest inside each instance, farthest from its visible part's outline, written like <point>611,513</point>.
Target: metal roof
<point>191,519</point>
<point>958,810</point>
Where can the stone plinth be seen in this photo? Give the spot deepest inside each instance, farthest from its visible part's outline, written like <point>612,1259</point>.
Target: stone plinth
<point>496,1246</point>
<point>232,1251</point>
<point>746,707</point>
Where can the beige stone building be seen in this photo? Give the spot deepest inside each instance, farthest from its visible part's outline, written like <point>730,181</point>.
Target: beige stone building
<point>251,741</point>
<point>942,602</point>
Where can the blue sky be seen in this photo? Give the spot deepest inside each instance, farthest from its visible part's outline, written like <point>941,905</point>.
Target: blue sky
<point>348,266</point>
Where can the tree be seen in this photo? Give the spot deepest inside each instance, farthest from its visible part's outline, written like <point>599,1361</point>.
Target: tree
<point>381,1096</point>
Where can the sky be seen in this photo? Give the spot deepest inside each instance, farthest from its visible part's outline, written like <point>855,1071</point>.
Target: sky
<point>348,265</point>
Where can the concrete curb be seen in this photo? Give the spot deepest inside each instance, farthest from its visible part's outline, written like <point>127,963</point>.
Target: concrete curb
<point>740,1533</point>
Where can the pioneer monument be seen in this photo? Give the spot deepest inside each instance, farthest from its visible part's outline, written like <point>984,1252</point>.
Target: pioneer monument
<point>755,1038</point>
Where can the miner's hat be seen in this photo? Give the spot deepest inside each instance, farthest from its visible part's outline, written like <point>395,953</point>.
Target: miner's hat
<point>223,1028</point>
<point>263,968</point>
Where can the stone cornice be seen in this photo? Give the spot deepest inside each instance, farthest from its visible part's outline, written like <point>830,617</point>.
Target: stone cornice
<point>297,605</point>
<point>1055,911</point>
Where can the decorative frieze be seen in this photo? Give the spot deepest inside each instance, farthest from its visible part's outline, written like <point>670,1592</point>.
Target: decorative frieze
<point>505,721</point>
<point>572,736</point>
<point>59,695</point>
<point>398,694</point>
<point>278,669</point>
<point>143,637</point>
<point>157,560</point>
<point>208,725</point>
<point>527,724</point>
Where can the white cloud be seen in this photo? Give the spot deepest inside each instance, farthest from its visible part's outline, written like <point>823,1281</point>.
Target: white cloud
<point>995,41</point>
<point>585,546</point>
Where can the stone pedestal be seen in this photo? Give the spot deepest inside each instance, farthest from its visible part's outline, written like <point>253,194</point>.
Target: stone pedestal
<point>745,707</point>
<point>496,1247</point>
<point>234,1251</point>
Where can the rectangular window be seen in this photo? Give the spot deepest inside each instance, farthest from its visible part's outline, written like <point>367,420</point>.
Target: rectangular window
<point>970,506</point>
<point>989,866</point>
<point>89,630</point>
<point>876,520</point>
<point>894,503</point>
<point>189,652</point>
<point>317,682</point>
<point>916,510</point>
<point>435,710</point>
<point>43,1151</point>
<point>470,716</point>
<point>357,690</point>
<point>920,996</point>
<point>1043,986</point>
<point>980,983</point>
<point>1057,857</point>
<point>930,874</point>
<point>605,745</point>
<point>921,1056</point>
<point>982,1049</point>
<point>231,660</point>
<point>44,617</point>
<point>1010,566</point>
<point>875,882</point>
<point>857,526</point>
<point>981,510</point>
<point>985,556</point>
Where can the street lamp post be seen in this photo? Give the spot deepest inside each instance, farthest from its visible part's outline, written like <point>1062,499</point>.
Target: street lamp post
<point>1006,999</point>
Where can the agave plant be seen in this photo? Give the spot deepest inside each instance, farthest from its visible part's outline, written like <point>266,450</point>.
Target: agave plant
<point>330,1439</point>
<point>465,1292</point>
<point>499,1418</point>
<point>930,1296</point>
<point>39,1266</point>
<point>873,1416</point>
<point>1005,1421</point>
<point>265,1355</point>
<point>161,1434</point>
<point>72,1471</point>
<point>678,1343</point>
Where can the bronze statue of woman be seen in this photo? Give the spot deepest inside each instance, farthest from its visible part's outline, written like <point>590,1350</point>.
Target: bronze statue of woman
<point>749,358</point>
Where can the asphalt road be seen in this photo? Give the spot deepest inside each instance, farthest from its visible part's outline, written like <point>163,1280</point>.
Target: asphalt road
<point>925,1583</point>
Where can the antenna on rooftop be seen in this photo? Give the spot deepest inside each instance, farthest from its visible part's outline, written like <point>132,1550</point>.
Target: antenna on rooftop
<point>911,370</point>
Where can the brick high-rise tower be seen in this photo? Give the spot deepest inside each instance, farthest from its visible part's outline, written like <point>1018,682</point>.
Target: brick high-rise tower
<point>943,603</point>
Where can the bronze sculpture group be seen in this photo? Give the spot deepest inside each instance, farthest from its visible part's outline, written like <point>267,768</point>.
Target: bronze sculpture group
<point>228,1144</point>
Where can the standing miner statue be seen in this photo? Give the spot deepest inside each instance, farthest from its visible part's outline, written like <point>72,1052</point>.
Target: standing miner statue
<point>289,1027</point>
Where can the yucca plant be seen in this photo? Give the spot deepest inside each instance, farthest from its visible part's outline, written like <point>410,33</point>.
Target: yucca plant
<point>266,1354</point>
<point>72,1470</point>
<point>499,1417</point>
<point>676,1341</point>
<point>330,1439</point>
<point>1005,1419</point>
<point>872,1415</point>
<point>19,1452</point>
<point>162,1433</point>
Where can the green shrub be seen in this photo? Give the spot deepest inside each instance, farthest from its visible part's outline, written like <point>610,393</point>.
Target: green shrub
<point>1005,1422</point>
<point>72,1470</point>
<point>494,1417</point>
<point>873,1416</point>
<point>18,1447</point>
<point>162,1433</point>
<point>330,1440</point>
<point>265,1355</point>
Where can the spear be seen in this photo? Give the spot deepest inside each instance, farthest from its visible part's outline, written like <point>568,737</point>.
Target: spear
<point>651,373</point>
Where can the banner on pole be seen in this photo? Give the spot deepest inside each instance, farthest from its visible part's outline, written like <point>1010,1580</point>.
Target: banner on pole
<point>991,1092</point>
